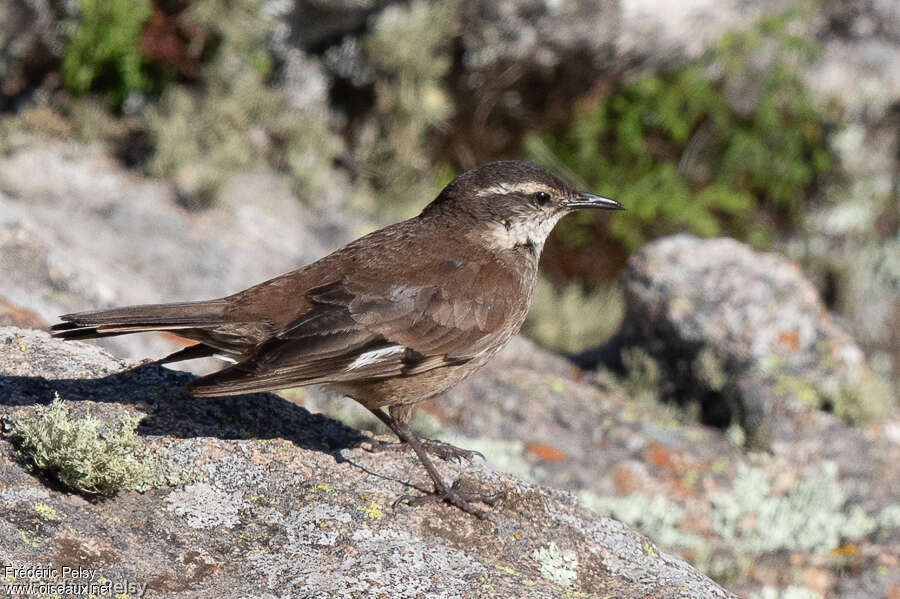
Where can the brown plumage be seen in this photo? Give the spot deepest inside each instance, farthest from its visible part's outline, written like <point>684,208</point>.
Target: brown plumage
<point>391,319</point>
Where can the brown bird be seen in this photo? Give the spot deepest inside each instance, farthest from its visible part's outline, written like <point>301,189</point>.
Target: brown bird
<point>391,319</point>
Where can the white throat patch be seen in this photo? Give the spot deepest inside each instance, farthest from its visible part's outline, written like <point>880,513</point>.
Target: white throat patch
<point>522,232</point>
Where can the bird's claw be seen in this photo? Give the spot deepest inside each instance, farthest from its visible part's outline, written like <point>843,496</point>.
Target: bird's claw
<point>455,497</point>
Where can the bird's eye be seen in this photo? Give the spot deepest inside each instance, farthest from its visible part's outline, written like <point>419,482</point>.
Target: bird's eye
<point>542,197</point>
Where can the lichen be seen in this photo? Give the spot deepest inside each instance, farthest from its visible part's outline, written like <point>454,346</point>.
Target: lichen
<point>811,515</point>
<point>83,455</point>
<point>45,511</point>
<point>372,510</point>
<point>791,592</point>
<point>655,516</point>
<point>558,566</point>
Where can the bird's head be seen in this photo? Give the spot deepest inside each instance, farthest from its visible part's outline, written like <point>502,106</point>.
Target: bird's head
<point>514,203</point>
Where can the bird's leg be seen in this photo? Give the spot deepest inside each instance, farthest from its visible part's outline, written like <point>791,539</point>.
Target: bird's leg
<point>442,492</point>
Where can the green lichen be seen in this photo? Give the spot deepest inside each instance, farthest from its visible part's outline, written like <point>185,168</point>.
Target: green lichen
<point>706,148</point>
<point>372,510</point>
<point>655,516</point>
<point>811,515</point>
<point>45,511</point>
<point>709,370</point>
<point>558,566</point>
<point>573,319</point>
<point>83,455</point>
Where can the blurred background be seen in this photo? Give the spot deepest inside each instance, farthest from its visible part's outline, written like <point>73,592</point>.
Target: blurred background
<point>163,150</point>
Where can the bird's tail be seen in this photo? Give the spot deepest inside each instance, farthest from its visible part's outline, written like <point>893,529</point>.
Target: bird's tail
<point>135,319</point>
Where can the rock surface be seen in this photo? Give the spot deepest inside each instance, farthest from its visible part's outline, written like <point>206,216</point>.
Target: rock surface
<point>286,503</point>
<point>78,232</point>
<point>753,320</point>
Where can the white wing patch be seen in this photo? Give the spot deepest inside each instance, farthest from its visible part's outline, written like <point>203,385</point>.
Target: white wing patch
<point>373,356</point>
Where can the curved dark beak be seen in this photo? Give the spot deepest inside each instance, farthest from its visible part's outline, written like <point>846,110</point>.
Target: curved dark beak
<point>589,200</point>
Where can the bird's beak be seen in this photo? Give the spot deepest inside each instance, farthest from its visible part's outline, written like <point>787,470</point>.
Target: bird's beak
<point>589,200</point>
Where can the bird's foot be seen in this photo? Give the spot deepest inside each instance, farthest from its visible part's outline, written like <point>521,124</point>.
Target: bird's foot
<point>445,451</point>
<point>457,498</point>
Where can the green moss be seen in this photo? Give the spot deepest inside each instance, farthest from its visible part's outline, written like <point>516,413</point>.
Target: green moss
<point>104,52</point>
<point>683,152</point>
<point>573,319</point>
<point>84,457</point>
<point>234,120</point>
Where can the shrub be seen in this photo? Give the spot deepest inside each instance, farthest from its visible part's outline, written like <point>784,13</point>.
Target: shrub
<point>704,148</point>
<point>103,54</point>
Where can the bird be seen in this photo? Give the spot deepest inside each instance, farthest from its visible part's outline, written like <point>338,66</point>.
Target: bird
<point>391,319</point>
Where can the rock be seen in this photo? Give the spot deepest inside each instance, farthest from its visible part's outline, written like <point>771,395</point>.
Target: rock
<point>825,489</point>
<point>850,242</point>
<point>716,304</point>
<point>287,503</point>
<point>78,232</point>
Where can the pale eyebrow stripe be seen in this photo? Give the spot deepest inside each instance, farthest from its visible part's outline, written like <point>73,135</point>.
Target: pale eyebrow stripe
<point>526,188</point>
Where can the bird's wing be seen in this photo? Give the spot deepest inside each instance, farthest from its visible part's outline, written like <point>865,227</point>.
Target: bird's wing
<point>369,327</point>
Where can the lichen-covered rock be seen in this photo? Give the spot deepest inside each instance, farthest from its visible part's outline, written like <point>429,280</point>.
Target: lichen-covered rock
<point>288,503</point>
<point>709,308</point>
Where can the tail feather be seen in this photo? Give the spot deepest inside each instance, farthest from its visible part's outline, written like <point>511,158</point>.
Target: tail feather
<point>135,319</point>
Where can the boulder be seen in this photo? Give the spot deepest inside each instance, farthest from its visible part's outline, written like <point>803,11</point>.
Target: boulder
<point>280,502</point>
<point>745,325</point>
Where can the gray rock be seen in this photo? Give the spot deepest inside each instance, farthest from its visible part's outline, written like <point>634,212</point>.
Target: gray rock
<point>79,232</point>
<point>760,318</point>
<point>297,510</point>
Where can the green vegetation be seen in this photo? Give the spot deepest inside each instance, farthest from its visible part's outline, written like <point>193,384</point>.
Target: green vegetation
<point>103,54</point>
<point>724,145</point>
<point>236,121</point>
<point>573,319</point>
<point>84,457</point>
<point>408,52</point>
